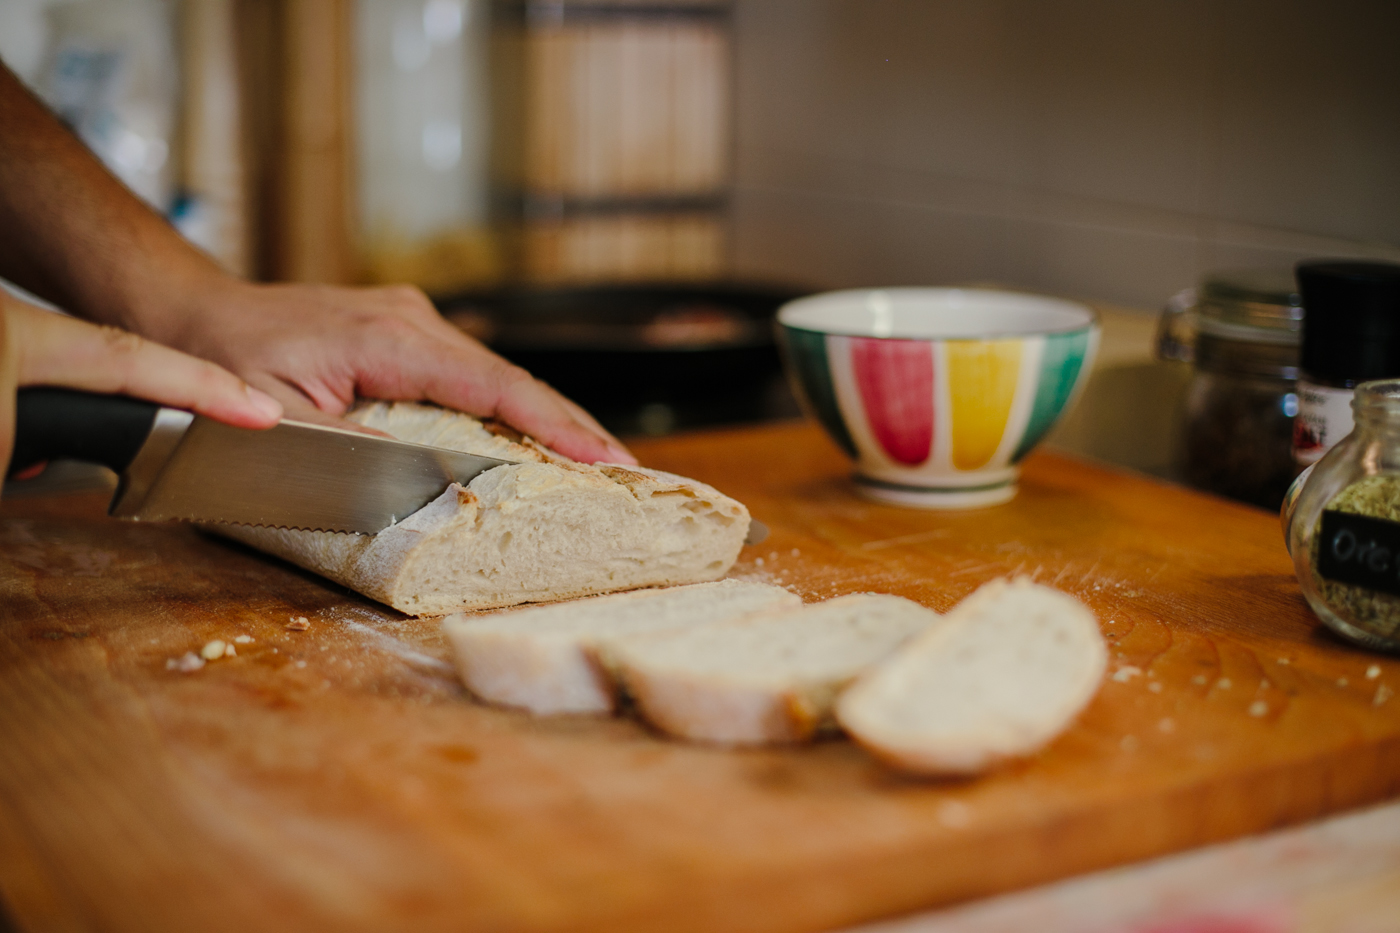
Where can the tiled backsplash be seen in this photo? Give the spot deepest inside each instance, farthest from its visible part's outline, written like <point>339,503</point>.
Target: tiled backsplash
<point>1094,148</point>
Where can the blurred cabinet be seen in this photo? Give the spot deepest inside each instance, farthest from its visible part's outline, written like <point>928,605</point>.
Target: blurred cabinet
<point>422,104</point>
<point>611,138</point>
<point>295,69</point>
<point>214,210</point>
<point>458,143</point>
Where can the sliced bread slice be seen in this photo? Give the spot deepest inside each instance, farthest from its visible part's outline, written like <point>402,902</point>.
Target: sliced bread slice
<point>554,659</point>
<point>771,677</point>
<point>1007,671</point>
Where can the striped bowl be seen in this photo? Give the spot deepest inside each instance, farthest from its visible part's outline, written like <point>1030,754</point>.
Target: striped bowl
<point>937,393</point>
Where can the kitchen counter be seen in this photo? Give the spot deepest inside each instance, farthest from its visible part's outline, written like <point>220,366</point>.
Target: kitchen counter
<point>1337,875</point>
<point>339,778</point>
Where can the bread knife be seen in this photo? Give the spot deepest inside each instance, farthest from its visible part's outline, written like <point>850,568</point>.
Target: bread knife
<point>172,464</point>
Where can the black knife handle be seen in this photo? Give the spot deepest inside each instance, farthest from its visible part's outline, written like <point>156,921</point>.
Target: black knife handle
<point>66,424</point>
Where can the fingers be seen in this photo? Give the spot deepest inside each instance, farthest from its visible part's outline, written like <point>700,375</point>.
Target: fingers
<point>61,351</point>
<point>315,348</point>
<point>477,380</point>
<point>539,411</point>
<point>437,362</point>
<point>296,406</point>
<point>583,417</point>
<point>616,451</point>
<point>542,412</point>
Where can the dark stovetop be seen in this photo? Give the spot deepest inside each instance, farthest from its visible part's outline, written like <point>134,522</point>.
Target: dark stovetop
<point>644,359</point>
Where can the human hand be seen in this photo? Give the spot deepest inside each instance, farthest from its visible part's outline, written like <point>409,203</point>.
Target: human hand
<point>72,233</point>
<point>39,347</point>
<point>316,347</point>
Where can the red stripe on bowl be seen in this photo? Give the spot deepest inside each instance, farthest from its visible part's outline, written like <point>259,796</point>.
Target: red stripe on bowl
<point>895,379</point>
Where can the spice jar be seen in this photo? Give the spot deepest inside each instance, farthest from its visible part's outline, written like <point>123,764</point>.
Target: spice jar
<point>1343,524</point>
<point>1351,335</point>
<point>1240,329</point>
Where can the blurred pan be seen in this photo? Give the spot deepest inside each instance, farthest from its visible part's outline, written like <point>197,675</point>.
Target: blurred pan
<point>645,359</point>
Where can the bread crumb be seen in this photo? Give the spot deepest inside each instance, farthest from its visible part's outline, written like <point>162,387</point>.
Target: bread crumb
<point>185,664</point>
<point>1166,725</point>
<point>1224,683</point>
<point>1383,693</point>
<point>298,624</point>
<point>1155,687</point>
<point>213,650</point>
<point>1342,681</point>
<point>954,815</point>
<point>1283,660</point>
<point>1199,680</point>
<point>301,664</point>
<point>796,552</point>
<point>230,651</point>
<point>758,561</point>
<point>1373,672</point>
<point>1126,673</point>
<point>244,639</point>
<point>1128,743</point>
<point>1258,708</point>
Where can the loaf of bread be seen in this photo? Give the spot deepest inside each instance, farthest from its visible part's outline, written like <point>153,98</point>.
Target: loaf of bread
<point>547,528</point>
<point>766,678</point>
<point>1006,671</point>
<point>558,658</point>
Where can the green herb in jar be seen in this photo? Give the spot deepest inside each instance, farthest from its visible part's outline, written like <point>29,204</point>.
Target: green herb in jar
<point>1378,612</point>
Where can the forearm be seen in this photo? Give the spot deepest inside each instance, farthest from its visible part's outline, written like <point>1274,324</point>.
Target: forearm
<point>70,232</point>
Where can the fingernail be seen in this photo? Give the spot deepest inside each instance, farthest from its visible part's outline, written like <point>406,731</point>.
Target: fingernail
<point>620,454</point>
<point>264,403</point>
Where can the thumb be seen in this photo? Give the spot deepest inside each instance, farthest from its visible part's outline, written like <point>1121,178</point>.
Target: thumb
<point>53,349</point>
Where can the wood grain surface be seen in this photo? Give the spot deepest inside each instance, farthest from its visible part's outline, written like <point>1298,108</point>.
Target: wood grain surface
<point>340,779</point>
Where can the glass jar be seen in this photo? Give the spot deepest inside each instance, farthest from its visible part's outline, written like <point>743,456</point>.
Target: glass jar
<point>1241,331</point>
<point>1341,521</point>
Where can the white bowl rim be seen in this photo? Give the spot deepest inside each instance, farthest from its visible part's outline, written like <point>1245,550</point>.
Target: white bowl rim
<point>1014,309</point>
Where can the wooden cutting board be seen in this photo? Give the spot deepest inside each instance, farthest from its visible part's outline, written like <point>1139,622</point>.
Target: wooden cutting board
<point>339,778</point>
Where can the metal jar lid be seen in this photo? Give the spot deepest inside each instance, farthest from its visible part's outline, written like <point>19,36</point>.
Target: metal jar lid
<point>1245,322</point>
<point>1251,305</point>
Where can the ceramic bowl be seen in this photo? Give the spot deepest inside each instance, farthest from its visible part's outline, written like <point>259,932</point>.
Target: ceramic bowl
<point>937,393</point>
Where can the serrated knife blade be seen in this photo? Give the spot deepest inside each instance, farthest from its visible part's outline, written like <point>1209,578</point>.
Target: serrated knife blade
<point>293,475</point>
<point>175,465</point>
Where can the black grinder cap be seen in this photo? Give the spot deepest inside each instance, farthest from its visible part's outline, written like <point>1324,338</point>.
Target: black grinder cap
<point>1351,320</point>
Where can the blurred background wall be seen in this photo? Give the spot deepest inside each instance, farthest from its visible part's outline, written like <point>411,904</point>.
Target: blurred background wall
<point>1099,149</point>
<point>1091,148</point>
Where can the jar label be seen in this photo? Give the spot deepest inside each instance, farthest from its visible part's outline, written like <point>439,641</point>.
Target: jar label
<point>1360,550</point>
<point>1323,419</point>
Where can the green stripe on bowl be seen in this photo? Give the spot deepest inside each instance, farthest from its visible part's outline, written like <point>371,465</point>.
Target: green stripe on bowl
<point>1059,371</point>
<point>806,357</point>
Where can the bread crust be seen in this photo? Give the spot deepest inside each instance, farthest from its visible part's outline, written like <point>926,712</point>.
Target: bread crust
<point>546,528</point>
<point>690,707</point>
<point>559,658</point>
<point>877,710</point>
<point>729,704</point>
